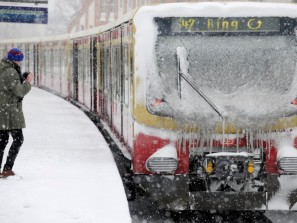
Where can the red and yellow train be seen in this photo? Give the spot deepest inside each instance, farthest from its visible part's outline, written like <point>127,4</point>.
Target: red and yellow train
<point>198,96</point>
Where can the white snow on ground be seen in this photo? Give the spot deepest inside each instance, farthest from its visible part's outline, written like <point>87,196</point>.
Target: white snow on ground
<point>68,172</point>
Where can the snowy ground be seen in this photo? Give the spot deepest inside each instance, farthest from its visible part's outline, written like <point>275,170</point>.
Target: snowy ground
<point>68,172</point>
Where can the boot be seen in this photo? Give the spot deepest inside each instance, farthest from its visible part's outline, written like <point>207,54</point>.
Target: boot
<point>7,173</point>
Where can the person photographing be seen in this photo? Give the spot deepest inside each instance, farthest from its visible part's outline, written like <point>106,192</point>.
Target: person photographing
<point>13,87</point>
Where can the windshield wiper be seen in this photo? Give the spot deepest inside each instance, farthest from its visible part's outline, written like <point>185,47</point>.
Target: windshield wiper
<point>183,67</point>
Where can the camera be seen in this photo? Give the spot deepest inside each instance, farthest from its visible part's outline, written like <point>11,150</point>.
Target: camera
<point>25,75</point>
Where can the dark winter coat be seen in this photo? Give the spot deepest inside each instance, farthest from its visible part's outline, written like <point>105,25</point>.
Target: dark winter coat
<point>12,91</point>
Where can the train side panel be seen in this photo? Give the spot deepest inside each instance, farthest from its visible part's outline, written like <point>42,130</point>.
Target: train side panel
<point>116,74</point>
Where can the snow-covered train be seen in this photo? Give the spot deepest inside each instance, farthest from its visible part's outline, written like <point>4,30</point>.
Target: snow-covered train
<point>200,97</point>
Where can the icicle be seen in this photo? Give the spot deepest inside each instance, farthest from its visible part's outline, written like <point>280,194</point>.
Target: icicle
<point>247,140</point>
<point>269,143</point>
<point>184,145</point>
<point>251,138</point>
<point>262,147</point>
<point>262,140</point>
<point>237,140</point>
<point>179,140</point>
<point>208,139</point>
<point>198,138</point>
<point>202,139</point>
<point>190,139</point>
<point>211,141</point>
<point>193,139</point>
<point>257,138</point>
<point>223,134</point>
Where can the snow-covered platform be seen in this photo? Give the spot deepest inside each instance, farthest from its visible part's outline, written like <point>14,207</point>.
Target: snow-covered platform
<point>68,172</point>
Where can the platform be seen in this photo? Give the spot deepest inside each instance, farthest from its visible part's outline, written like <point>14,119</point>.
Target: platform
<point>68,172</point>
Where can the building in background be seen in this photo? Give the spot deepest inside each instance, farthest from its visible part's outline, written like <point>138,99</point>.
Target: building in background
<point>98,12</point>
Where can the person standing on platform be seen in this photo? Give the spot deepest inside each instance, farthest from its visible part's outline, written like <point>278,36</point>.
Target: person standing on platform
<point>13,87</point>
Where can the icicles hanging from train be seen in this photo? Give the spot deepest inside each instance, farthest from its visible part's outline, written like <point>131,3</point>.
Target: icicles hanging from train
<point>253,141</point>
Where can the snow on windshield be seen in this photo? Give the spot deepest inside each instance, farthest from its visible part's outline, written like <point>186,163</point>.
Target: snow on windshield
<point>247,77</point>
<point>225,71</point>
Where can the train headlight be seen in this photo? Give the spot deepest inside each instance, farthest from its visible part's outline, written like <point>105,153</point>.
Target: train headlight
<point>250,167</point>
<point>163,161</point>
<point>209,167</point>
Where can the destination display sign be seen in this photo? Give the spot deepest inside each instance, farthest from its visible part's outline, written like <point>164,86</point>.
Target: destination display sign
<point>255,24</point>
<point>23,14</point>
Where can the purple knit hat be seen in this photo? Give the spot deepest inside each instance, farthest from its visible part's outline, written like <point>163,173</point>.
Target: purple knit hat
<point>15,54</point>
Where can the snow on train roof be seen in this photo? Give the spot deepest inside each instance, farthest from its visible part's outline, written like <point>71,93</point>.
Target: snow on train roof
<point>219,9</point>
<point>89,32</point>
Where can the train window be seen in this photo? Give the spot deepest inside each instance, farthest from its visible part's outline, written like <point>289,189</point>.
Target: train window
<point>51,65</point>
<point>119,76</point>
<point>62,62</point>
<point>102,71</point>
<point>222,66</point>
<point>78,55</point>
<point>112,70</point>
<point>86,63</point>
<point>115,70</point>
<point>126,74</point>
<point>82,62</point>
<point>116,73</point>
<point>108,72</point>
<point>44,64</point>
<point>56,62</point>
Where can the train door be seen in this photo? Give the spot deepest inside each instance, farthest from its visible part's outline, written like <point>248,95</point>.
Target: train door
<point>85,72</point>
<point>117,82</point>
<point>121,75</point>
<point>51,58</point>
<point>104,75</point>
<point>93,73</point>
<point>107,91</point>
<point>127,68</point>
<point>75,71</point>
<point>112,79</point>
<point>109,84</point>
<point>102,85</point>
<point>60,67</point>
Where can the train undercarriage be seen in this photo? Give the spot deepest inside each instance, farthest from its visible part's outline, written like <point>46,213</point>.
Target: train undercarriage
<point>229,187</point>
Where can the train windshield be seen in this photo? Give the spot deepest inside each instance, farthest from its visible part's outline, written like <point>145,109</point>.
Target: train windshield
<point>244,73</point>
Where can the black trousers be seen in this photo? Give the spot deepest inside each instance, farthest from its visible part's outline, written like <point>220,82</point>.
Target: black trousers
<point>18,139</point>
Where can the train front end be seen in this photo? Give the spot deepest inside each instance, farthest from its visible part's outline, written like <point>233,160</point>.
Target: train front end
<point>214,123</point>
